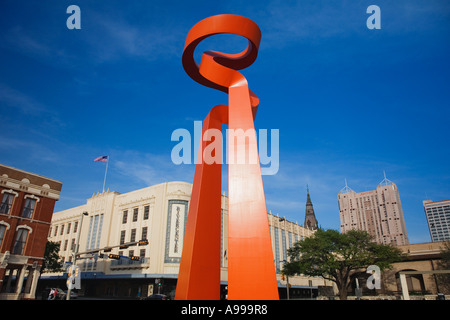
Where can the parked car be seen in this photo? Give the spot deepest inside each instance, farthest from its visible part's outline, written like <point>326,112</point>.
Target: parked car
<point>157,297</point>
<point>73,295</point>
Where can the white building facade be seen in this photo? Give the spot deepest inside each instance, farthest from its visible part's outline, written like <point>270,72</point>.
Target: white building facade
<point>157,214</point>
<point>438,218</point>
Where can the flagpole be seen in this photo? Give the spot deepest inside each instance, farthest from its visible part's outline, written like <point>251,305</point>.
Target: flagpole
<point>106,170</point>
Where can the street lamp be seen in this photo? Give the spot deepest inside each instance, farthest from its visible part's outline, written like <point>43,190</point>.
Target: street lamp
<point>75,251</point>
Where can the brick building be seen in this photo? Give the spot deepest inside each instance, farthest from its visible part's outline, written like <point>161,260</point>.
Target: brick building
<point>26,208</point>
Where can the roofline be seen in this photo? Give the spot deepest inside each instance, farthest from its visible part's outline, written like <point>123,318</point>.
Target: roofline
<point>32,173</point>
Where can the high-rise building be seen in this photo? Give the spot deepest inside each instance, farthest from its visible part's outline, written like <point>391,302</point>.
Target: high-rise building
<point>378,211</point>
<point>310,217</point>
<point>438,217</point>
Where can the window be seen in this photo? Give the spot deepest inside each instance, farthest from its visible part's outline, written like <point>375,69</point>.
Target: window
<point>68,228</point>
<point>124,217</point>
<point>95,230</point>
<point>2,233</point>
<point>122,237</point>
<point>283,243</point>
<point>21,240</point>
<point>135,214</point>
<point>146,212</point>
<point>277,249</point>
<point>133,235</point>
<point>75,226</point>
<point>28,207</point>
<point>144,233</point>
<point>7,201</point>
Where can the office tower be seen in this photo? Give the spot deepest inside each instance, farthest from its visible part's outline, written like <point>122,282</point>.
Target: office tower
<point>378,211</point>
<point>438,217</point>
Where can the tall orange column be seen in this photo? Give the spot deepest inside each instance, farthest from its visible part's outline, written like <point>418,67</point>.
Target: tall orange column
<point>199,276</point>
<point>251,269</point>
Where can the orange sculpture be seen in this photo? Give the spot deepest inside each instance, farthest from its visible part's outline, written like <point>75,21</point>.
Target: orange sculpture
<point>251,268</point>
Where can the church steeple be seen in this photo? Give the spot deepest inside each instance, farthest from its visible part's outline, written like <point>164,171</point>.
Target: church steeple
<point>310,217</point>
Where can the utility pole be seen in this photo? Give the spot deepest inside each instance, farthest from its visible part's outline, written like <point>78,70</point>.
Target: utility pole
<point>69,288</point>
<point>287,286</point>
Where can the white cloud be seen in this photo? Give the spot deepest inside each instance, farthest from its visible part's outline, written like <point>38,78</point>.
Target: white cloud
<point>20,101</point>
<point>148,169</point>
<point>114,38</point>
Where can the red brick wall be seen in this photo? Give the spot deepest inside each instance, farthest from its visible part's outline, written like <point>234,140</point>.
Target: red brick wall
<point>39,223</point>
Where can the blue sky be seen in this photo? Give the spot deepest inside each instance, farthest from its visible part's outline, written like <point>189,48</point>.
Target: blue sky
<point>349,102</point>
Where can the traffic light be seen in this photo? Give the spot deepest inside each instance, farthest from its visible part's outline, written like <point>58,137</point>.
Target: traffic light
<point>107,249</point>
<point>143,242</point>
<point>114,256</point>
<point>136,258</point>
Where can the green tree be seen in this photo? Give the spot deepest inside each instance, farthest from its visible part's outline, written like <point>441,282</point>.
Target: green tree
<point>335,256</point>
<point>444,264</point>
<point>52,261</point>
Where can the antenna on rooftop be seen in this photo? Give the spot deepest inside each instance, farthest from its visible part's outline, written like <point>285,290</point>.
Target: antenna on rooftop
<point>386,181</point>
<point>346,189</point>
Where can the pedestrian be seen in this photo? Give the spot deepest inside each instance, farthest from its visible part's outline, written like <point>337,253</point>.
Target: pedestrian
<point>52,294</point>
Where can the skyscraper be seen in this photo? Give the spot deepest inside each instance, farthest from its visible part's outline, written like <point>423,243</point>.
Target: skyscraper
<point>438,217</point>
<point>310,217</point>
<point>378,211</point>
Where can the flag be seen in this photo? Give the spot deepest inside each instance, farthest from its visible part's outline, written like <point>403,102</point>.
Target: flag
<point>102,159</point>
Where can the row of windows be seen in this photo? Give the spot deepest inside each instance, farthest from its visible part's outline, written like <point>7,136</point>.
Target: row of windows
<point>438,223</point>
<point>278,257</point>
<point>440,231</point>
<point>131,253</point>
<point>144,235</point>
<point>62,227</point>
<point>135,214</point>
<point>7,203</point>
<point>440,236</point>
<point>66,248</point>
<point>438,208</point>
<point>439,218</point>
